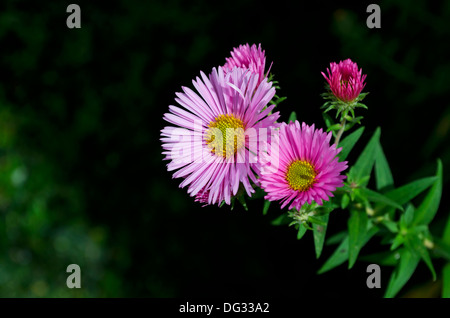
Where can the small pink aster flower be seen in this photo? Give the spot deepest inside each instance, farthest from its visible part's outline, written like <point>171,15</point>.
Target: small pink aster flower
<point>345,80</point>
<point>244,56</point>
<point>308,167</point>
<point>214,125</point>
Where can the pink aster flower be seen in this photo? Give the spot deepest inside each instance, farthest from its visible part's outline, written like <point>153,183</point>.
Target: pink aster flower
<point>308,168</point>
<point>345,80</point>
<point>210,141</point>
<point>244,56</point>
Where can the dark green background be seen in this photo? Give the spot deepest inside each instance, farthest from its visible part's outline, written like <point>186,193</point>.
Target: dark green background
<point>81,173</point>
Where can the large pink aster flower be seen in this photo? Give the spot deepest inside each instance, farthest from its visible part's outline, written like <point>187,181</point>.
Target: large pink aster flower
<point>308,168</point>
<point>249,57</point>
<point>213,129</point>
<point>345,80</point>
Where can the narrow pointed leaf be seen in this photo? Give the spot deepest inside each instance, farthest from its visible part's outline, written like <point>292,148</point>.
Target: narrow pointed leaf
<point>383,258</point>
<point>266,207</point>
<point>334,127</point>
<point>398,240</point>
<point>340,255</point>
<point>336,238</point>
<point>391,225</point>
<point>376,197</point>
<point>427,209</point>
<point>383,175</point>
<point>446,281</point>
<point>409,191</point>
<point>402,273</point>
<point>319,234</point>
<point>293,117</point>
<point>348,142</point>
<point>281,220</point>
<point>241,199</point>
<point>259,193</point>
<point>345,201</point>
<point>415,244</point>
<point>357,228</point>
<point>407,217</point>
<point>441,249</point>
<point>316,220</point>
<point>446,235</point>
<point>301,231</point>
<point>360,172</point>
<point>328,120</point>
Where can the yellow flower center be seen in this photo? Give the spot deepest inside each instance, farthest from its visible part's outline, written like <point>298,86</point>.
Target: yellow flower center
<point>225,135</point>
<point>301,175</point>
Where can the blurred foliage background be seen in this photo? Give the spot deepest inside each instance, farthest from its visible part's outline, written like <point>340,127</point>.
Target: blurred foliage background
<point>81,173</point>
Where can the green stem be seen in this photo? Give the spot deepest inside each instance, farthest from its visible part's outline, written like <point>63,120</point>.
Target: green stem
<point>340,132</point>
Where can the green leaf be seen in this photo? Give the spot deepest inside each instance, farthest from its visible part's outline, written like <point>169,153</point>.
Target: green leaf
<point>281,220</point>
<point>259,193</point>
<point>334,128</point>
<point>357,228</point>
<point>341,254</point>
<point>416,246</point>
<point>407,217</point>
<point>345,201</point>
<point>278,100</point>
<point>336,238</point>
<point>446,281</point>
<point>319,234</point>
<point>316,220</point>
<point>383,175</point>
<point>301,231</point>
<point>402,273</point>
<point>360,172</point>
<point>446,235</point>
<point>328,206</point>
<point>349,125</point>
<point>387,258</point>
<point>441,249</point>
<point>266,207</point>
<point>328,120</point>
<point>328,109</point>
<point>362,96</point>
<point>409,191</point>
<point>398,240</point>
<point>391,225</point>
<point>429,206</point>
<point>373,196</point>
<point>361,105</point>
<point>241,199</point>
<point>293,117</point>
<point>386,239</point>
<point>348,142</point>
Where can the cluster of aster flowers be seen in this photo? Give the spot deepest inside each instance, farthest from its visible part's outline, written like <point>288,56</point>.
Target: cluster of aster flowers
<point>226,142</point>
<point>224,138</point>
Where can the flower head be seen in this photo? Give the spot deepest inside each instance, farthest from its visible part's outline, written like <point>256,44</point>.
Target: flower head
<point>345,80</point>
<point>249,57</point>
<point>308,168</point>
<point>210,140</point>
